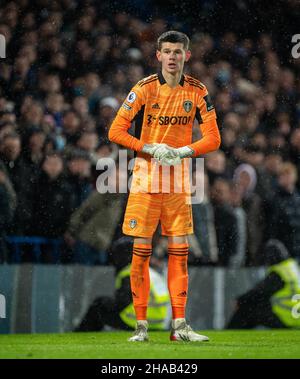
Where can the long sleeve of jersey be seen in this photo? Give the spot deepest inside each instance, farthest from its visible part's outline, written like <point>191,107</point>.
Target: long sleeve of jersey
<point>206,116</point>
<point>210,140</point>
<point>118,132</point>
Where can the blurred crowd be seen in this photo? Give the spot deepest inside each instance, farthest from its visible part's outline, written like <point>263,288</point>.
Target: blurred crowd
<point>68,67</point>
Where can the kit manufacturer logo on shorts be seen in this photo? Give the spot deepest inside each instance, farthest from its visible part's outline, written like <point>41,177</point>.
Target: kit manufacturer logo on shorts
<point>187,105</point>
<point>132,223</point>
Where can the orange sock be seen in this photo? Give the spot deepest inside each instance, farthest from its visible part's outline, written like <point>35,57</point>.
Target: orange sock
<point>178,278</point>
<point>140,279</point>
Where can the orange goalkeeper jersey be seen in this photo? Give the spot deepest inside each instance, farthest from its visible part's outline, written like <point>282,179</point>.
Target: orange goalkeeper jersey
<point>166,115</point>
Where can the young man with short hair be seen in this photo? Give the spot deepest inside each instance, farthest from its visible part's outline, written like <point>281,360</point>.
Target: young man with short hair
<point>164,107</point>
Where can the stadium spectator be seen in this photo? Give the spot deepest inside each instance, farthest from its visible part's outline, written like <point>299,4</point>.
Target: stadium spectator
<point>22,179</point>
<point>55,107</point>
<point>240,258</point>
<point>225,221</point>
<point>107,110</point>
<point>8,116</point>
<point>93,91</point>
<point>215,164</point>
<point>6,128</point>
<point>92,226</point>
<point>118,312</point>
<point>88,142</point>
<point>33,148</point>
<point>80,105</point>
<point>31,115</point>
<point>53,199</point>
<point>245,179</point>
<point>270,302</point>
<point>7,209</point>
<point>203,243</point>
<point>71,127</point>
<point>267,179</point>
<point>284,220</point>
<point>79,175</point>
<point>295,150</point>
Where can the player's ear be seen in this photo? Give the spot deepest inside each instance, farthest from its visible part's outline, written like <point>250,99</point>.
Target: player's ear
<point>158,55</point>
<point>188,55</point>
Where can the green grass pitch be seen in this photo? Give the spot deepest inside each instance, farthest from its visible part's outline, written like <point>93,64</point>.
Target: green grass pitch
<point>109,345</point>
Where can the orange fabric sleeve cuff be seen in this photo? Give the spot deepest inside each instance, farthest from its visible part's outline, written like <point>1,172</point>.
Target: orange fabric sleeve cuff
<point>118,133</point>
<point>210,140</point>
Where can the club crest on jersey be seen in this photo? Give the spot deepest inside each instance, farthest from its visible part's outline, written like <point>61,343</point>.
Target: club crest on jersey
<point>131,97</point>
<point>132,223</point>
<point>187,105</point>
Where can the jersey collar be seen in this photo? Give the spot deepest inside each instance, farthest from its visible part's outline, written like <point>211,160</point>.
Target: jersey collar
<point>163,81</point>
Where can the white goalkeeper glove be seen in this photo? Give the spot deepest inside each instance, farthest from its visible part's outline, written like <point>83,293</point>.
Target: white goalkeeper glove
<point>169,156</point>
<point>150,148</point>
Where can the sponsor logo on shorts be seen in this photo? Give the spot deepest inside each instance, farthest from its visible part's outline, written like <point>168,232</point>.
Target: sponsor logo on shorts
<point>132,223</point>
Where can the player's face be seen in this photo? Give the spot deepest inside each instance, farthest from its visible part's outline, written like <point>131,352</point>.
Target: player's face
<point>172,57</point>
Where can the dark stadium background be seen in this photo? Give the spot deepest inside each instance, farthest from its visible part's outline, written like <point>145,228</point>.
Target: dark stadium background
<point>69,64</point>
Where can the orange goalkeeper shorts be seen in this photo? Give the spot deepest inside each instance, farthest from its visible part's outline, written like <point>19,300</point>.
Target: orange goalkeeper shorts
<point>145,210</point>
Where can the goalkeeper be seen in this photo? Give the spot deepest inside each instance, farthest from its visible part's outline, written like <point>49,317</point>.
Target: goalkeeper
<point>164,107</point>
